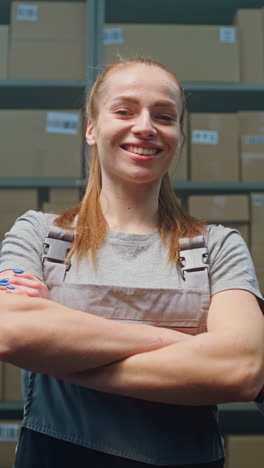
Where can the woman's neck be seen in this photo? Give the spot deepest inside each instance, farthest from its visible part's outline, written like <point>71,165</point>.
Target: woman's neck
<point>131,209</point>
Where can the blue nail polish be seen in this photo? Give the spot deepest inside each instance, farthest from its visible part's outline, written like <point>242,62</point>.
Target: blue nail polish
<point>10,287</point>
<point>4,280</point>
<point>18,271</point>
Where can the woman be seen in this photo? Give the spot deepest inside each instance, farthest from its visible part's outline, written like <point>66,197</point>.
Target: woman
<point>139,389</point>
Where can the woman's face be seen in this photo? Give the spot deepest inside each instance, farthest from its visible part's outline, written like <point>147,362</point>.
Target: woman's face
<point>137,129</point>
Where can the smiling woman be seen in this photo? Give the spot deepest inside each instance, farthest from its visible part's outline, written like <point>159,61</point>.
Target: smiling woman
<point>142,318</point>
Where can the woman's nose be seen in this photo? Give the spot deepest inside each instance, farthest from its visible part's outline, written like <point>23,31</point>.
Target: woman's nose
<point>144,125</point>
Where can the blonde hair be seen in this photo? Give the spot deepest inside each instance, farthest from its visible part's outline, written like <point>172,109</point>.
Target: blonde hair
<point>91,228</point>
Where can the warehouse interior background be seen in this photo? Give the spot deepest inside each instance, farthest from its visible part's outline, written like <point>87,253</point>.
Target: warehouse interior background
<point>50,54</point>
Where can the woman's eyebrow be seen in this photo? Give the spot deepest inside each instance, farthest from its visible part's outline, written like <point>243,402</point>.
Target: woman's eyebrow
<point>162,103</point>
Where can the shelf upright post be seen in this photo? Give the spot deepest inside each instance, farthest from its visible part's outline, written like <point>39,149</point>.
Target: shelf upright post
<point>100,33</point>
<point>95,12</point>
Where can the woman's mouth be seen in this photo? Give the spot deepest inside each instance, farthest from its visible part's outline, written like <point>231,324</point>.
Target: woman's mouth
<point>141,152</point>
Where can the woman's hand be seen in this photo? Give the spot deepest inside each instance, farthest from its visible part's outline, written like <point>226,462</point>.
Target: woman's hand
<point>24,284</point>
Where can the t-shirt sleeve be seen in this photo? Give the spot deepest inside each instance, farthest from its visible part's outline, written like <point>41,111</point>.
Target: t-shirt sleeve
<point>230,263</point>
<point>22,247</point>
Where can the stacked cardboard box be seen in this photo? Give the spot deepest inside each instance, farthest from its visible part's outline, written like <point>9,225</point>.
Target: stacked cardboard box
<point>9,435</point>
<point>40,143</point>
<point>4,31</point>
<point>257,235</point>
<point>61,199</point>
<point>180,163</point>
<point>15,202</point>
<point>1,380</point>
<point>214,147</point>
<point>188,50</point>
<point>12,388</point>
<point>250,24</point>
<point>48,40</point>
<point>245,451</point>
<point>229,210</point>
<point>251,130</point>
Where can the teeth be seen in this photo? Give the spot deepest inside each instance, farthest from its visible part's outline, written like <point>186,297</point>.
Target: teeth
<point>145,151</point>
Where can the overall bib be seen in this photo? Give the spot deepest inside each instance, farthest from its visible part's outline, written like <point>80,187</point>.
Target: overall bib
<point>149,432</point>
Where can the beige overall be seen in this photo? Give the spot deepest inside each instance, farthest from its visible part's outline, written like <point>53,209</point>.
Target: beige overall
<point>141,430</point>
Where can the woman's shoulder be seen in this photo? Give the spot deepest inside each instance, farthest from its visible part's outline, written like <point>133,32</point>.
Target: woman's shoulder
<point>217,235</point>
<point>226,243</point>
<point>34,223</point>
<point>38,217</point>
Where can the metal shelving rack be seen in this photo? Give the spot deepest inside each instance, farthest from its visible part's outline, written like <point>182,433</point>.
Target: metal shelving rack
<point>207,97</point>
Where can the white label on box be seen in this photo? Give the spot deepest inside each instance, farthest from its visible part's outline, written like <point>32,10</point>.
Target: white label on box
<point>9,432</point>
<point>257,200</point>
<point>205,137</point>
<point>254,140</point>
<point>219,200</point>
<point>27,13</point>
<point>113,36</point>
<point>62,122</point>
<point>227,35</point>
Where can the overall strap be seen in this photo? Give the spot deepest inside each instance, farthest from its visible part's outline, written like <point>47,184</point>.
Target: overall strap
<point>57,245</point>
<point>194,261</point>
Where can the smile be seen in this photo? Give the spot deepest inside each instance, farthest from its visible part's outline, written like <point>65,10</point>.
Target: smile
<point>140,150</point>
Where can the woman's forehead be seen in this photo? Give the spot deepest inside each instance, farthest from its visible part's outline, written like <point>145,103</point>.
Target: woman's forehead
<point>140,78</point>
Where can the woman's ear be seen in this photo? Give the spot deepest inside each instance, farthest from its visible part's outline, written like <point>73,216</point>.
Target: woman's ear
<point>90,137</point>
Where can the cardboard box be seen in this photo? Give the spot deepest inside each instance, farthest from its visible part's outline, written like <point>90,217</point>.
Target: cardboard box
<point>257,230</point>
<point>251,130</point>
<point>252,158</point>
<point>61,195</point>
<point>220,208</point>
<point>12,383</point>
<point>48,40</point>
<point>16,202</point>
<point>46,144</point>
<point>1,380</point>
<point>260,277</point>
<point>214,147</point>
<point>245,451</point>
<point>179,166</point>
<point>9,436</point>
<point>188,50</point>
<point>250,123</point>
<point>4,31</point>
<point>61,199</point>
<point>250,23</point>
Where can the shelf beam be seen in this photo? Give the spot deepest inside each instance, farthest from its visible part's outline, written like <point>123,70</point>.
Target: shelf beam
<point>42,183</point>
<point>205,188</point>
<point>184,188</point>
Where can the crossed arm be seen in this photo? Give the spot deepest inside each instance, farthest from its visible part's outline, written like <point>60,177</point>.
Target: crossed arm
<point>225,364</point>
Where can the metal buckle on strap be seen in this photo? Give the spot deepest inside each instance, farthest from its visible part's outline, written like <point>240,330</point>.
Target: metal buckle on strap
<point>193,260</point>
<point>56,250</point>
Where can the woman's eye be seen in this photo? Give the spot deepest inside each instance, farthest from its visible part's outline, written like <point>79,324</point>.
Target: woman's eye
<point>166,118</point>
<point>123,112</point>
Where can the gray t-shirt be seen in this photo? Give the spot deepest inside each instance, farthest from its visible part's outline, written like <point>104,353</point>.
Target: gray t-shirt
<point>146,431</point>
<point>132,260</point>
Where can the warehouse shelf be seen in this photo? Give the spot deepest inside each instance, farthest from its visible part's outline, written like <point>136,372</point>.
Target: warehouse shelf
<point>235,418</point>
<point>185,187</point>
<point>205,188</point>
<point>62,94</point>
<point>43,83</point>
<point>224,97</point>
<point>11,410</point>
<point>34,94</point>
<point>39,183</point>
<point>180,12</point>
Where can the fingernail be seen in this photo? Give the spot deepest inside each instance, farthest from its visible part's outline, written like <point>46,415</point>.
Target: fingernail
<point>5,280</point>
<point>10,287</point>
<point>18,271</point>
